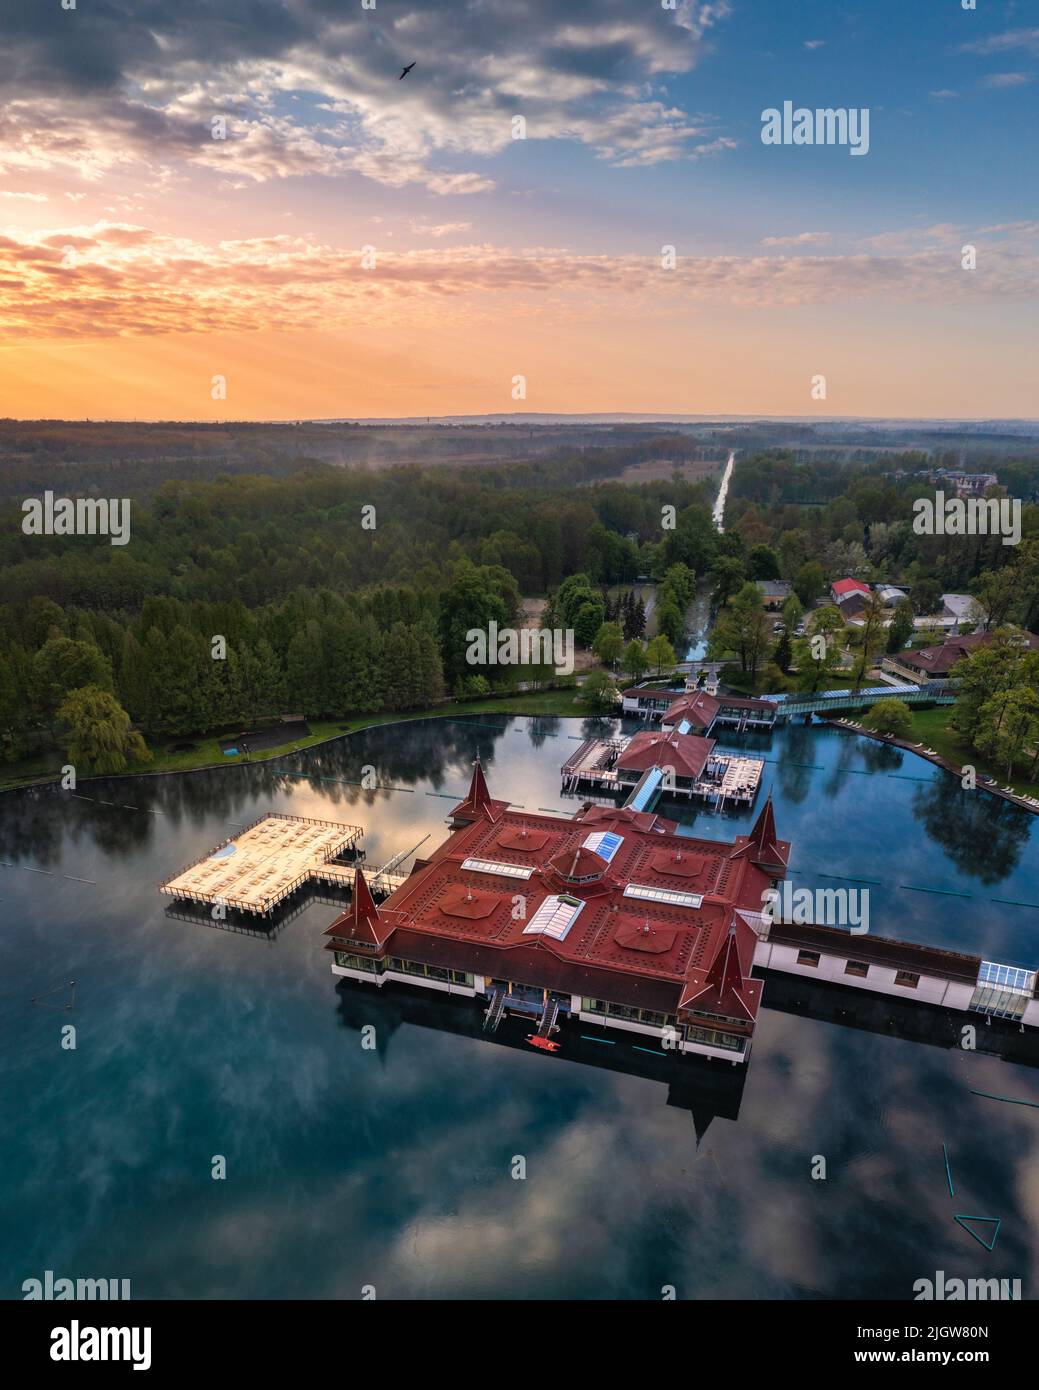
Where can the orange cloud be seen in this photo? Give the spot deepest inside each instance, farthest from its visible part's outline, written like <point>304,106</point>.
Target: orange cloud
<point>117,279</point>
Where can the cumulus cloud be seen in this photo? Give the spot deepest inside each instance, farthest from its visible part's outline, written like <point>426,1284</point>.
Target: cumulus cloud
<point>119,279</point>
<point>1006,79</point>
<point>313,87</point>
<point>1008,41</point>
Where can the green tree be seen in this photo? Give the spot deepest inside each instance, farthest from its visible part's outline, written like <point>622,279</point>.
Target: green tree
<point>660,654</point>
<point>609,643</point>
<point>743,627</point>
<point>599,693</point>
<point>763,562</point>
<point>670,622</point>
<point>889,717</point>
<point>809,582</point>
<point>588,620</point>
<point>987,678</point>
<point>997,593</point>
<point>634,660</point>
<point>729,576</point>
<point>399,672</point>
<point>100,736</point>
<point>901,629</point>
<point>1008,724</point>
<point>62,665</point>
<point>819,653</point>
<point>476,597</point>
<point>868,639</point>
<point>926,596</point>
<point>793,612</point>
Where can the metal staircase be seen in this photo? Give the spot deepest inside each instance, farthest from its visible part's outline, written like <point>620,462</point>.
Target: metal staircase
<point>547,1025</point>
<point>495,1011</point>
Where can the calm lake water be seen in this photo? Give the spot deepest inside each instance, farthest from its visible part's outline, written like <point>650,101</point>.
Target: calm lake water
<point>391,1167</point>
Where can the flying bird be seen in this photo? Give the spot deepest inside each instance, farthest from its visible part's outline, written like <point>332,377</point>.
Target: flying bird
<point>406,71</point>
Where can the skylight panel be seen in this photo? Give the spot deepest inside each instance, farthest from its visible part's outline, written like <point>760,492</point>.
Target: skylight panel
<point>662,895</point>
<point>604,843</point>
<point>491,866</point>
<point>1008,977</point>
<point>554,917</point>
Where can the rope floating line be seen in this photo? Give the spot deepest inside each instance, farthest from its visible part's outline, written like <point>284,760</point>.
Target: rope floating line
<point>1009,1100</point>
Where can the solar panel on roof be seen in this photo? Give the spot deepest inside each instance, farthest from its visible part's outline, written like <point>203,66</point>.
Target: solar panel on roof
<point>662,895</point>
<point>554,917</point>
<point>604,843</point>
<point>491,866</point>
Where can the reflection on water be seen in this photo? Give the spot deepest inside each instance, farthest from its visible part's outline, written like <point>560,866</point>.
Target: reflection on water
<point>391,1166</point>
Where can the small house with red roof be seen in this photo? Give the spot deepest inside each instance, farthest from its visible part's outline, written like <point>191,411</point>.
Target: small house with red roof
<point>843,589</point>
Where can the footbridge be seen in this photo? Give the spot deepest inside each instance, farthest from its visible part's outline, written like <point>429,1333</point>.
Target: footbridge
<point>834,701</point>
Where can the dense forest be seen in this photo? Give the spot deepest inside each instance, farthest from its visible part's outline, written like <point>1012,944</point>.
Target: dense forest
<point>327,593</point>
<point>339,591</point>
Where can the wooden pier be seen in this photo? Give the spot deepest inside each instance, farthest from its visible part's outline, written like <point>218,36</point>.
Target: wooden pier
<point>259,867</point>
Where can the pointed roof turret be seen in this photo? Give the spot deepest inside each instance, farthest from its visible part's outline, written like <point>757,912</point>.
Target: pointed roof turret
<point>762,847</point>
<point>361,922</point>
<point>479,801</point>
<point>478,793</point>
<point>725,988</point>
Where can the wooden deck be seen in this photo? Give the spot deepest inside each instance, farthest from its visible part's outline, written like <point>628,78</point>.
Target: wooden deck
<point>259,867</point>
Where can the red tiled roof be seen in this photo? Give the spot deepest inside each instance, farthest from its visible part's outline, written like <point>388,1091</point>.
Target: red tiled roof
<point>686,753</point>
<point>939,661</point>
<point>762,847</point>
<point>849,586</point>
<point>591,814</point>
<point>726,987</point>
<point>465,919</point>
<point>579,862</point>
<point>699,710</point>
<point>361,921</point>
<point>479,801</point>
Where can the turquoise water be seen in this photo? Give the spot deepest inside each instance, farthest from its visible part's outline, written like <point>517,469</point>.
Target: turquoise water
<point>392,1166</point>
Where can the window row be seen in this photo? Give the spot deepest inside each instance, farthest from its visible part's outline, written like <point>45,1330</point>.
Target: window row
<point>711,1037</point>
<point>650,1017</point>
<point>860,968</point>
<point>348,961</point>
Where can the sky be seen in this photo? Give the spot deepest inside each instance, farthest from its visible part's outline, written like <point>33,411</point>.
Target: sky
<point>242,211</point>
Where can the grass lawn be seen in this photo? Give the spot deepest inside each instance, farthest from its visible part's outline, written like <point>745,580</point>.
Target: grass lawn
<point>931,727</point>
<point>206,752</point>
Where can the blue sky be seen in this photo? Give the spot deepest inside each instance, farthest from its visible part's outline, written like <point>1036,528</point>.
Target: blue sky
<point>643,130</point>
